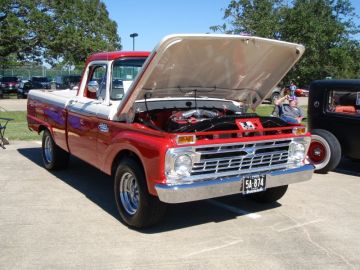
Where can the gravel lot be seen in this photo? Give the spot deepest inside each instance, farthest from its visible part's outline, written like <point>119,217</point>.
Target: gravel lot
<point>68,220</point>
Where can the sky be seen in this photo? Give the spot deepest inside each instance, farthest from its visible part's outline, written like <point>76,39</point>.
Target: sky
<point>152,20</point>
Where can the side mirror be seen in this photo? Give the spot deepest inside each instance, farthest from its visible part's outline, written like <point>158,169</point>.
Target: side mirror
<point>93,86</point>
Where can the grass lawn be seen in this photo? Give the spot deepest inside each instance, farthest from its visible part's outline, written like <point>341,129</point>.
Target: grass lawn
<point>17,129</point>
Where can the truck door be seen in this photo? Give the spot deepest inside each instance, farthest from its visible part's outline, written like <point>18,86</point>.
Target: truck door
<point>82,119</point>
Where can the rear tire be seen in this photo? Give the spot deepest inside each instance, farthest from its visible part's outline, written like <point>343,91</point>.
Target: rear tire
<point>54,158</point>
<point>324,151</point>
<point>137,208</point>
<point>270,195</point>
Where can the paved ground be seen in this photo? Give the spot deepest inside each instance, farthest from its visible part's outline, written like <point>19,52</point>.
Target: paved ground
<point>68,220</point>
<point>12,105</point>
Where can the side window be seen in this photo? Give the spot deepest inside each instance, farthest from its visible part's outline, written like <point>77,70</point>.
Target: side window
<point>97,81</point>
<point>344,101</point>
<point>124,72</point>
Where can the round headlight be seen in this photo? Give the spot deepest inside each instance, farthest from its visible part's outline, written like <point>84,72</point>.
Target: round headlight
<point>183,165</point>
<point>297,151</point>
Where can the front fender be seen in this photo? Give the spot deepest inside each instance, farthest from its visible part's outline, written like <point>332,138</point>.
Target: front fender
<point>149,149</point>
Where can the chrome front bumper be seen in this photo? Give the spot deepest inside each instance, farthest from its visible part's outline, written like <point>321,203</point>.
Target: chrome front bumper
<point>228,186</point>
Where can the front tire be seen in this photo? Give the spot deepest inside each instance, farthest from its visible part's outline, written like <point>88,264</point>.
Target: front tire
<point>54,158</point>
<point>324,151</point>
<point>137,208</point>
<point>270,195</point>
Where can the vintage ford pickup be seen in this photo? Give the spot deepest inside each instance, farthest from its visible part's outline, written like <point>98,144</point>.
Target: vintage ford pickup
<point>176,125</point>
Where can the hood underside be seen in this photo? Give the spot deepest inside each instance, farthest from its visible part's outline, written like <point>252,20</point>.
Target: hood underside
<point>239,68</point>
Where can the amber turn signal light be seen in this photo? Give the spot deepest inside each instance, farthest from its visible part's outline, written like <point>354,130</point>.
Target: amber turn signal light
<point>185,139</point>
<point>299,131</point>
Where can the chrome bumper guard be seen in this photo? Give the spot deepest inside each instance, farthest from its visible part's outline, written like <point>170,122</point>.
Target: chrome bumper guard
<point>228,186</point>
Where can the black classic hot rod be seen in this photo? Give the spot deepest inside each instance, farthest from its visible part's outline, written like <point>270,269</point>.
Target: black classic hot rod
<point>334,121</point>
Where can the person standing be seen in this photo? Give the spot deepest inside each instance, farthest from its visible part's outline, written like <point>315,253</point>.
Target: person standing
<point>293,88</point>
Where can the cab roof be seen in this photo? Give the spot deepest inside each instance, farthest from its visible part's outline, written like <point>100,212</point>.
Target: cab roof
<point>115,55</point>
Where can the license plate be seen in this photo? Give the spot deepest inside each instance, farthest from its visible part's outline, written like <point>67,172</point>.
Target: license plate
<point>255,183</point>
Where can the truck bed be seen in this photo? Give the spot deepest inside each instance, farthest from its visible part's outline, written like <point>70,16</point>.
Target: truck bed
<point>48,109</point>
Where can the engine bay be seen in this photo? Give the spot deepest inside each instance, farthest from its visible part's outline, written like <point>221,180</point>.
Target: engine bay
<point>204,120</point>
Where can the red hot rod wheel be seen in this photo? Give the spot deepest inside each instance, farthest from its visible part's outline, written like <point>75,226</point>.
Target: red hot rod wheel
<point>319,151</point>
<point>324,151</point>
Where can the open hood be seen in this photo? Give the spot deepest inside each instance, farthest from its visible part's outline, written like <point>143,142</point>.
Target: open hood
<point>240,68</point>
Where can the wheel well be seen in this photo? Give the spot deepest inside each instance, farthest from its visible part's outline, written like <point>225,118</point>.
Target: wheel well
<point>42,128</point>
<point>125,154</point>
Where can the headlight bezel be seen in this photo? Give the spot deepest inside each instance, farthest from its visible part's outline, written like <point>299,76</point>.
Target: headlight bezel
<point>173,154</point>
<point>298,151</point>
<point>183,165</point>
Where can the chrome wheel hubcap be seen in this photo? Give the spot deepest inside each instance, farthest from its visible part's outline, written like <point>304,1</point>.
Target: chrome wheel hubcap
<point>129,193</point>
<point>319,152</point>
<point>48,151</point>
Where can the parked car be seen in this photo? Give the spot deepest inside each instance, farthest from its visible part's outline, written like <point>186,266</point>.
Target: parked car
<point>40,83</point>
<point>8,85</point>
<point>23,89</point>
<point>34,83</point>
<point>299,92</point>
<point>276,93</point>
<point>334,121</point>
<point>67,81</point>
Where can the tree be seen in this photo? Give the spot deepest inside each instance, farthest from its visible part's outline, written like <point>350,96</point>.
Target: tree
<point>17,38</point>
<point>325,28</point>
<point>55,31</point>
<point>253,17</point>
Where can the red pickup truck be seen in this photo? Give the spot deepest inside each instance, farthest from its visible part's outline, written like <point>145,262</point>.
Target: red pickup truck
<point>174,126</point>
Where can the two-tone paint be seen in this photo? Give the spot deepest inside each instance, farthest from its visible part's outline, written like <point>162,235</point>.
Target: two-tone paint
<point>100,133</point>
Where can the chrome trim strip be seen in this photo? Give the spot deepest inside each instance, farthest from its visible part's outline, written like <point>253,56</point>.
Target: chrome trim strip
<point>245,143</point>
<point>232,173</point>
<point>228,186</point>
<point>243,156</point>
<point>243,148</point>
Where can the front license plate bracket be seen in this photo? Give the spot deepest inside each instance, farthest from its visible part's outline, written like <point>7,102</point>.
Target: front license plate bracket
<point>254,183</point>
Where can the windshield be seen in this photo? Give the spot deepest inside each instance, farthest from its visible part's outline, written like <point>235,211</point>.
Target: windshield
<point>124,72</point>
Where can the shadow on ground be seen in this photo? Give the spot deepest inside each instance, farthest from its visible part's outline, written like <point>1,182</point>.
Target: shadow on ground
<point>349,167</point>
<point>98,187</point>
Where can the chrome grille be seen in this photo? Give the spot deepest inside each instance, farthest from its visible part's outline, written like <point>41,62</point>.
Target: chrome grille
<point>242,157</point>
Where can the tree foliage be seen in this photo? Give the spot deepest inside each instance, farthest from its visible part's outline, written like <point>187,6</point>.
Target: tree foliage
<point>55,31</point>
<point>325,27</point>
<point>256,17</point>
